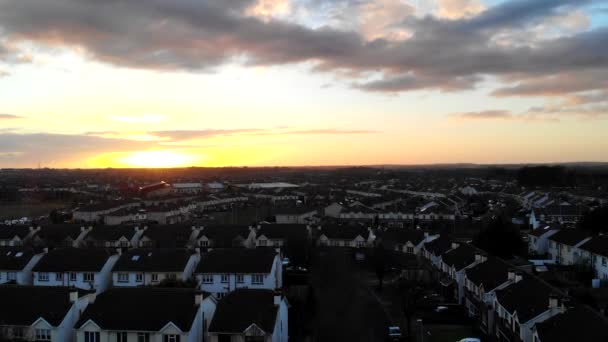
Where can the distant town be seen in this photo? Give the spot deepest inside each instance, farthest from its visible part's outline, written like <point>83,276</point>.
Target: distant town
<point>387,253</point>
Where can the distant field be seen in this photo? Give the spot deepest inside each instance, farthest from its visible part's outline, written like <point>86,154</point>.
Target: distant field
<point>14,211</point>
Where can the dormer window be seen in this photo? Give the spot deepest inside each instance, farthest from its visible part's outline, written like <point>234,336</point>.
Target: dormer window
<point>43,276</point>
<point>123,277</point>
<point>171,338</point>
<point>88,277</point>
<point>207,279</point>
<point>257,279</point>
<point>224,278</point>
<point>72,276</point>
<point>203,243</point>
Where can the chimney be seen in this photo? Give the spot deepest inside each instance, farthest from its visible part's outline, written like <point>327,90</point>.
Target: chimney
<point>73,296</point>
<point>426,235</point>
<point>198,299</point>
<point>511,275</point>
<point>480,257</point>
<point>197,250</point>
<point>277,297</point>
<point>119,251</point>
<point>31,228</point>
<point>82,228</point>
<point>518,277</point>
<point>45,250</point>
<point>455,245</point>
<point>553,302</point>
<point>193,228</point>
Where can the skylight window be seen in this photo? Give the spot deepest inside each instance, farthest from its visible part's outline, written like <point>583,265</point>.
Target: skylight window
<point>19,254</point>
<point>135,258</point>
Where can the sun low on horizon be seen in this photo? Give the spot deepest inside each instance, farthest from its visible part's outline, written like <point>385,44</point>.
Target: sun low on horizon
<point>162,84</point>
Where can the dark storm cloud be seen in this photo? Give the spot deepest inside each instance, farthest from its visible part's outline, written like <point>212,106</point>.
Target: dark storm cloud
<point>194,35</point>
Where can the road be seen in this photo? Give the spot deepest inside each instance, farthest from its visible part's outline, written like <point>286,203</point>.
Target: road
<point>346,309</point>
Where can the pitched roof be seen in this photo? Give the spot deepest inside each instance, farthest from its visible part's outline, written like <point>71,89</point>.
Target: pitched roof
<point>142,309</point>
<point>242,308</point>
<point>9,232</point>
<point>150,260</point>
<point>169,236</point>
<point>73,259</point>
<point>541,231</point>
<point>401,236</point>
<point>15,258</point>
<point>597,245</point>
<point>529,297</point>
<point>224,235</point>
<point>110,233</point>
<point>344,232</point>
<point>491,273</point>
<point>576,324</point>
<point>569,237</point>
<point>237,260</point>
<point>439,246</point>
<point>283,231</point>
<point>460,257</point>
<point>28,303</point>
<point>55,234</point>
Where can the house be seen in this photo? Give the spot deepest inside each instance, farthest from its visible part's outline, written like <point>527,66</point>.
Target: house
<point>595,252</point>
<point>250,315</point>
<point>538,243</point>
<point>563,246</point>
<point>127,215</point>
<point>224,270</point>
<point>144,267</point>
<point>187,188</point>
<point>579,323</point>
<point>563,214</point>
<point>16,264</point>
<point>453,263</point>
<point>157,189</point>
<point>113,236</point>
<point>16,235</point>
<point>40,314</point>
<point>277,235</point>
<point>481,282</point>
<point>147,314</point>
<point>333,210</point>
<point>433,250</point>
<point>345,236</point>
<point>60,235</point>
<point>168,236</point>
<point>95,212</point>
<point>300,215</point>
<point>169,213</point>
<point>225,236</point>
<point>87,269</point>
<point>404,240</point>
<point>521,305</point>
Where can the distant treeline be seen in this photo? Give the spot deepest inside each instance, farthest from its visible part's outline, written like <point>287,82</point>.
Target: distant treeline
<point>560,176</point>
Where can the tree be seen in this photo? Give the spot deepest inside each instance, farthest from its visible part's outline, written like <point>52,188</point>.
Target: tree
<point>595,221</point>
<point>380,259</point>
<point>500,238</point>
<point>411,289</point>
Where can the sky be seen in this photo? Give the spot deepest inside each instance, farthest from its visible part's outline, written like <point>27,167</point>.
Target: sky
<point>158,83</point>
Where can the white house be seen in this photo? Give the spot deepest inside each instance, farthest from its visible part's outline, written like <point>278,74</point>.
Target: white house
<point>224,270</point>
<point>148,314</point>
<point>86,269</point>
<point>40,314</point>
<point>145,267</point>
<point>538,240</point>
<point>301,215</point>
<point>454,263</point>
<point>266,319</point>
<point>345,236</point>
<point>16,264</point>
<point>563,246</point>
<point>595,252</point>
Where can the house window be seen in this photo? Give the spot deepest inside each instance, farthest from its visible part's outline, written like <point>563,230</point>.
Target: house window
<point>220,295</point>
<point>154,277</point>
<point>123,277</point>
<point>262,243</point>
<point>224,278</point>
<point>143,337</point>
<point>240,278</point>
<point>204,243</point>
<point>171,338</point>
<point>91,336</point>
<point>207,279</point>
<point>43,276</point>
<point>43,334</point>
<point>360,244</point>
<point>72,276</point>
<point>10,276</point>
<point>88,277</point>
<point>257,279</point>
<point>410,250</point>
<point>59,276</point>
<point>139,277</point>
<point>121,337</point>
